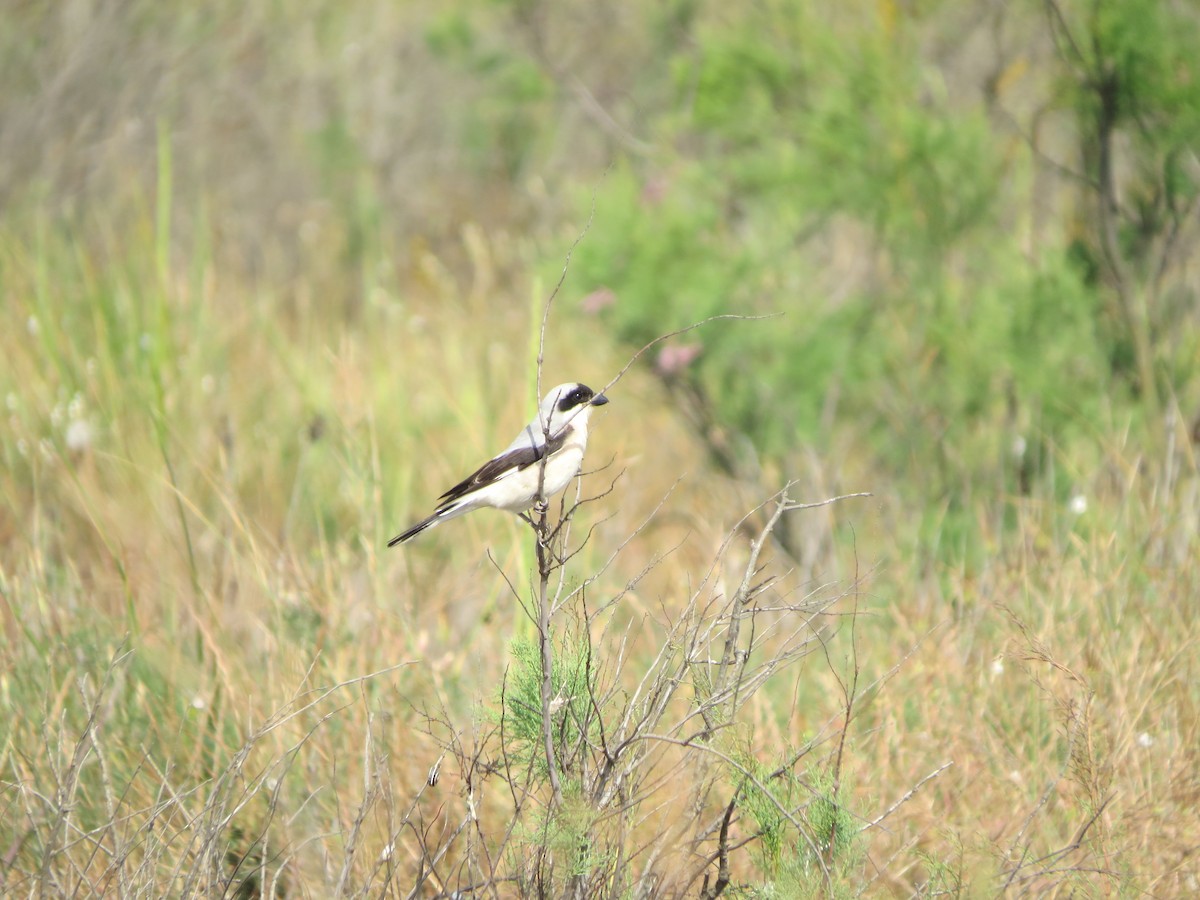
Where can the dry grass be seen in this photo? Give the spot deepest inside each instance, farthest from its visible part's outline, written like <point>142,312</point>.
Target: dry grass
<point>214,671</point>
<point>214,678</point>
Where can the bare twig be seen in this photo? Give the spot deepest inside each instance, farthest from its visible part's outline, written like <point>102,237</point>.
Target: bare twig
<point>908,795</point>
<point>664,337</point>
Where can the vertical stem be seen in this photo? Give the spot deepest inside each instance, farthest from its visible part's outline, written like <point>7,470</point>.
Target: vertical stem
<point>545,563</point>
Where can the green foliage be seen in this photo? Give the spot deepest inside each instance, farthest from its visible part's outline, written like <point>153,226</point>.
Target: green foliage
<point>780,150</point>
<point>571,833</point>
<point>957,343</point>
<point>571,686</point>
<point>1146,50</point>
<point>943,878</point>
<point>567,834</point>
<point>795,864</point>
<point>835,829</point>
<point>1129,67</point>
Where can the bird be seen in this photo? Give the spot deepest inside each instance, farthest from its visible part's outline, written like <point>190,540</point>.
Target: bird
<point>510,480</point>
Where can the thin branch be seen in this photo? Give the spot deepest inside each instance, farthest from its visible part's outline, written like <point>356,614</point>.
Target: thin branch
<point>562,277</point>
<point>909,794</point>
<point>676,333</point>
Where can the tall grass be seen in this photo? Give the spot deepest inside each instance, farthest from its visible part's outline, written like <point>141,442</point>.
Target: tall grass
<point>234,707</point>
<point>242,345</point>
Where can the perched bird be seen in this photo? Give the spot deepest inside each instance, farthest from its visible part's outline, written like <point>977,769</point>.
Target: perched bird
<point>509,481</point>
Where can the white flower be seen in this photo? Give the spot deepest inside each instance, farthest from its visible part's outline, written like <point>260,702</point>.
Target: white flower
<point>1078,504</point>
<point>198,702</point>
<point>998,666</point>
<point>79,435</point>
<point>1145,739</point>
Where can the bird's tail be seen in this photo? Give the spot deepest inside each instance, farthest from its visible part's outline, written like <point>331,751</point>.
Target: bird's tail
<point>415,530</point>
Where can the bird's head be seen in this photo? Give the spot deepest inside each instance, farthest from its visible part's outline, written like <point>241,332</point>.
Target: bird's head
<point>569,403</point>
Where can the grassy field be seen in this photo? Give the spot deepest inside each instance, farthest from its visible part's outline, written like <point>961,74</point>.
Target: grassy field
<point>272,279</point>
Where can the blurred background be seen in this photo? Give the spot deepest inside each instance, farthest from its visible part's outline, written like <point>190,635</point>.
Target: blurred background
<point>272,276</point>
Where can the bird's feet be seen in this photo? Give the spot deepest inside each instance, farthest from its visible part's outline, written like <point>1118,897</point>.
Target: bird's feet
<point>540,506</point>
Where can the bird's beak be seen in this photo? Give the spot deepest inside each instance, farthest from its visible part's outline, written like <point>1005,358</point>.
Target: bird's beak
<point>599,400</point>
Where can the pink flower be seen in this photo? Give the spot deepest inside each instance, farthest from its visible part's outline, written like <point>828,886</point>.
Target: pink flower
<point>674,358</point>
<point>655,191</point>
<point>599,299</point>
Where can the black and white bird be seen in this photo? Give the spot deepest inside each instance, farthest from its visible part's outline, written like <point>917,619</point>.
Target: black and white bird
<point>509,481</point>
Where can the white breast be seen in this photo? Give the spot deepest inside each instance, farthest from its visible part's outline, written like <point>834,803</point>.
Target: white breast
<point>517,492</point>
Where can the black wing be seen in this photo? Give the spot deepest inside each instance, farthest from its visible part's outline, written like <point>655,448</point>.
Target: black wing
<point>494,469</point>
